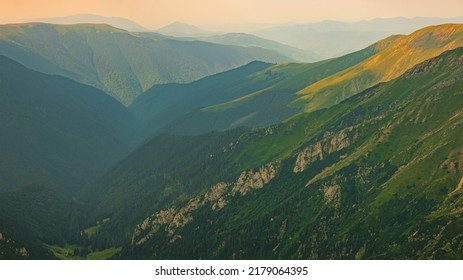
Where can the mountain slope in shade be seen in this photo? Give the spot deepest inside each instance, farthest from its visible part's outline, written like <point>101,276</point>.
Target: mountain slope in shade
<point>384,66</point>
<point>118,22</point>
<point>375,177</point>
<point>57,132</point>
<point>121,63</point>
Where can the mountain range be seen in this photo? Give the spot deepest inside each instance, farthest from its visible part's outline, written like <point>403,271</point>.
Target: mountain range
<point>135,145</point>
<point>121,63</point>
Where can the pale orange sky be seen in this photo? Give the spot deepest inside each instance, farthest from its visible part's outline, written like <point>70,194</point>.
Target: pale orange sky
<point>156,13</point>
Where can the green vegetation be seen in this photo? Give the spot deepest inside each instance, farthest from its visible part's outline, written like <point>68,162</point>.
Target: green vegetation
<point>383,188</point>
<point>103,255</point>
<point>74,252</point>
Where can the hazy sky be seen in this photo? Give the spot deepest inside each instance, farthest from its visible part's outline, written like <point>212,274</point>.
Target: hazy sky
<point>156,13</point>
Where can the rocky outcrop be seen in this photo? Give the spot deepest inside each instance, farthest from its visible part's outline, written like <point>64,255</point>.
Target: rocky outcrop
<point>250,180</point>
<point>332,194</point>
<point>217,197</point>
<point>307,156</point>
<point>331,142</point>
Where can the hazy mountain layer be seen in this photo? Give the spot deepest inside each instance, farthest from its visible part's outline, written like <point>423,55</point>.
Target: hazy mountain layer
<point>117,22</point>
<point>333,38</point>
<point>248,40</point>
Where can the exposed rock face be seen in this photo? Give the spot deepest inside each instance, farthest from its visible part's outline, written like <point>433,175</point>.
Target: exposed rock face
<point>10,245</point>
<point>175,218</point>
<point>307,156</point>
<point>331,143</point>
<point>22,252</point>
<point>250,180</point>
<point>332,194</point>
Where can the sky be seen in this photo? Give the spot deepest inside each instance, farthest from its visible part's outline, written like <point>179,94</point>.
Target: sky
<point>157,13</point>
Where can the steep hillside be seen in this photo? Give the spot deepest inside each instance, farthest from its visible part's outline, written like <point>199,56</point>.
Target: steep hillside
<point>57,132</point>
<point>120,63</point>
<point>376,176</point>
<point>254,95</point>
<point>386,65</point>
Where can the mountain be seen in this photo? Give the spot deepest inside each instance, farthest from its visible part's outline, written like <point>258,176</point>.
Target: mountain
<point>180,29</point>
<point>377,176</point>
<point>384,66</point>
<point>121,63</point>
<point>357,157</point>
<point>248,40</point>
<point>333,38</point>
<point>117,22</point>
<point>238,98</point>
<point>57,132</point>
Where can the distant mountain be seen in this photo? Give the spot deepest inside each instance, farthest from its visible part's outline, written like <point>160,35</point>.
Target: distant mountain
<point>180,29</point>
<point>122,64</point>
<point>377,176</point>
<point>118,22</point>
<point>247,40</point>
<point>56,132</point>
<point>388,64</point>
<point>248,28</point>
<point>332,38</point>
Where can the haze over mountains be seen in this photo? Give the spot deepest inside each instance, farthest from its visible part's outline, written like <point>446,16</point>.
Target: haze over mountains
<point>333,38</point>
<point>139,145</point>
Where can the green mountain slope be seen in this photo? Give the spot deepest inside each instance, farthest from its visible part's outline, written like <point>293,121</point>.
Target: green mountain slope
<point>376,176</point>
<point>120,63</point>
<point>248,96</point>
<point>384,66</point>
<point>57,132</point>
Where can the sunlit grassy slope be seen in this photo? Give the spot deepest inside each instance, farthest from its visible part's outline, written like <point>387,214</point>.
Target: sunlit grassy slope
<point>384,66</point>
